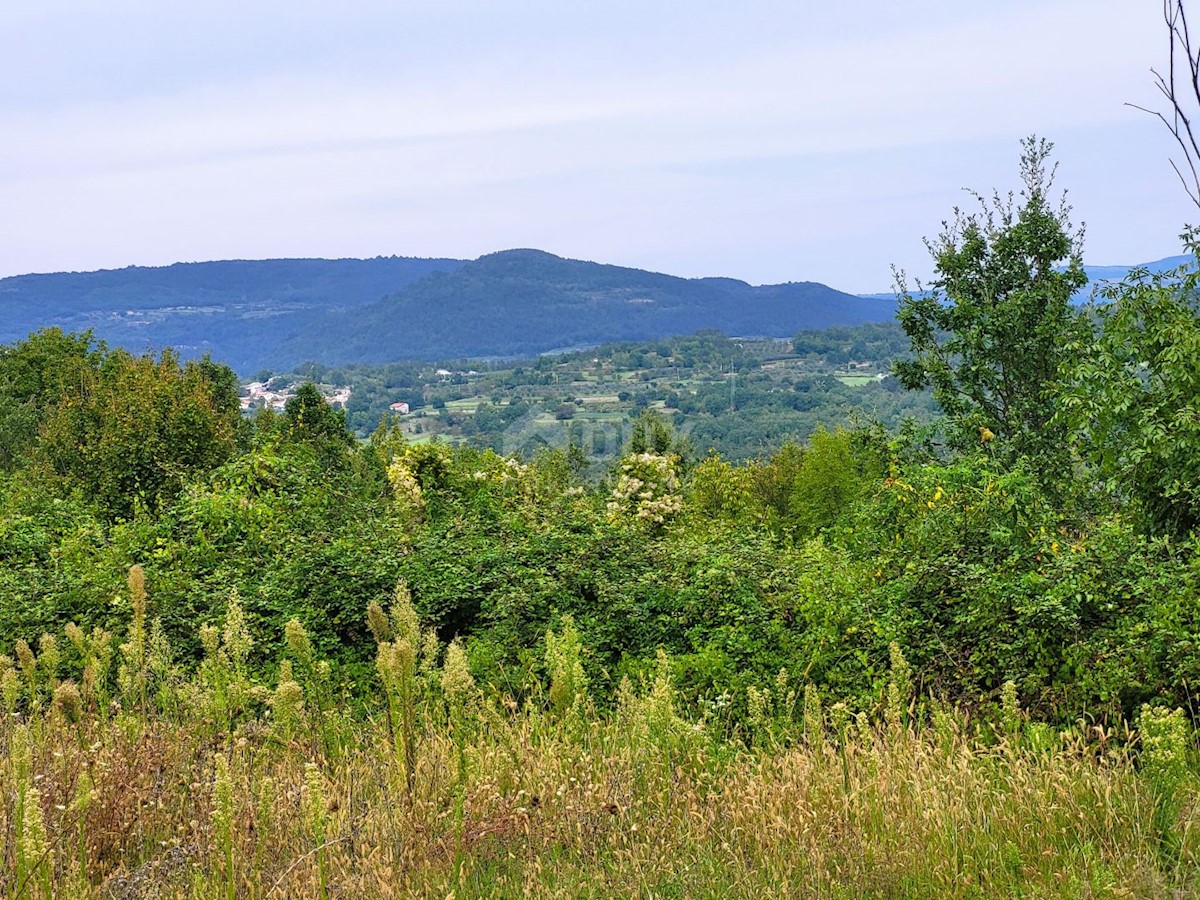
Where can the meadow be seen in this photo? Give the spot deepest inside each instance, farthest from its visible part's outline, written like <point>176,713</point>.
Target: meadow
<point>135,778</point>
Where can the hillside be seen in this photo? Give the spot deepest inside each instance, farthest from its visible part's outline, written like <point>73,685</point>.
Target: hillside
<point>234,309</point>
<point>1097,274</point>
<point>526,301</point>
<point>279,313</point>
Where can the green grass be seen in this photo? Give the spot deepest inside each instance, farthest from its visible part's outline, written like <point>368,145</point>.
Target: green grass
<point>190,787</point>
<point>854,380</point>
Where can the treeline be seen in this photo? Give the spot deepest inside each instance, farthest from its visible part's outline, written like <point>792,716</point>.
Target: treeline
<point>1043,533</point>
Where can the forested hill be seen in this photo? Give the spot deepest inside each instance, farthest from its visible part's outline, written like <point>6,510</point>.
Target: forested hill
<point>279,313</point>
<point>234,309</point>
<point>527,301</point>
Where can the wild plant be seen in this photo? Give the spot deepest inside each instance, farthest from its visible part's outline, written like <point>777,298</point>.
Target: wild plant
<point>899,689</point>
<point>84,788</point>
<point>131,674</point>
<point>159,668</point>
<point>222,820</point>
<point>1011,717</point>
<point>68,703</point>
<point>462,707</point>
<point>48,660</point>
<point>314,677</point>
<point>35,867</point>
<point>10,685</point>
<point>945,727</point>
<point>236,638</point>
<point>316,817</point>
<point>223,673</point>
<point>287,703</point>
<point>20,770</point>
<point>771,711</point>
<point>568,683</point>
<point>1166,742</point>
<point>265,789</point>
<point>462,702</point>
<point>97,664</point>
<point>304,655</point>
<point>650,727</point>
<point>29,669</point>
<point>396,663</point>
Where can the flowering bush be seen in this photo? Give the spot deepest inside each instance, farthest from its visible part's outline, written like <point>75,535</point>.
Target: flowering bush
<point>406,487</point>
<point>647,489</point>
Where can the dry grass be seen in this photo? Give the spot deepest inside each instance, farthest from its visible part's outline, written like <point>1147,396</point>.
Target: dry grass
<point>205,784</point>
<point>615,806</point>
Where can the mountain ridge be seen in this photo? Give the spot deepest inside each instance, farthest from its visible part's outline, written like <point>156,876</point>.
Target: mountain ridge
<point>523,302</point>
<point>278,313</point>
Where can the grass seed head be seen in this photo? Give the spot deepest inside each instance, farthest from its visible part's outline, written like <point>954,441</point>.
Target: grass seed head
<point>299,642</point>
<point>377,621</point>
<point>68,701</point>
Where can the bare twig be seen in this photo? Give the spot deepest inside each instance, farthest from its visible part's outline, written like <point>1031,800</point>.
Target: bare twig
<point>1177,119</point>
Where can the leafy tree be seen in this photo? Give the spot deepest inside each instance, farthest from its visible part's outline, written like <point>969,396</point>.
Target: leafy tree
<point>33,375</point>
<point>138,428</point>
<point>830,478</point>
<point>310,417</point>
<point>990,336</point>
<point>654,434</point>
<point>1133,407</point>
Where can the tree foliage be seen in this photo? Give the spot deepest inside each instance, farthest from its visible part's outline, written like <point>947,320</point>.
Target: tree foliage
<point>133,431</point>
<point>34,373</point>
<point>990,336</point>
<point>1134,401</point>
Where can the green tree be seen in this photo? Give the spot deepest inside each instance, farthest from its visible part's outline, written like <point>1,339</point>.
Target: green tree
<point>654,434</point>
<point>135,430</point>
<point>990,336</point>
<point>310,417</point>
<point>33,376</point>
<point>1134,403</point>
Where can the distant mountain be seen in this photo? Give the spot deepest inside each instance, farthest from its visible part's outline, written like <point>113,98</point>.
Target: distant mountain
<point>236,309</point>
<point>526,301</point>
<point>278,313</point>
<point>1098,275</point>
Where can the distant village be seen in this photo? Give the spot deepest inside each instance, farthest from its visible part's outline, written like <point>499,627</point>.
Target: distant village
<point>259,394</point>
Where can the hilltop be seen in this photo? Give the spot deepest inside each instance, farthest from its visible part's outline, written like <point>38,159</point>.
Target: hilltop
<point>520,302</point>
<point>233,309</point>
<point>278,313</point>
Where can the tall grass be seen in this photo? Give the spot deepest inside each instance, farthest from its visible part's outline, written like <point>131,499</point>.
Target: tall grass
<point>450,791</point>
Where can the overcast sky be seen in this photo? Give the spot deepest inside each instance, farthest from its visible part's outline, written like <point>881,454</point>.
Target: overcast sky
<point>768,141</point>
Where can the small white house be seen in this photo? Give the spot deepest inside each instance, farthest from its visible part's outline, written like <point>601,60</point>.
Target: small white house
<point>401,408</point>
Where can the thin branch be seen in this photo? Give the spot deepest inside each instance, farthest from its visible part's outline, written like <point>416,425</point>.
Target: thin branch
<point>1178,121</point>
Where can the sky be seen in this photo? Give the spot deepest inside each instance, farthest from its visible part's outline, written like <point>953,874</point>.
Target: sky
<point>766,141</point>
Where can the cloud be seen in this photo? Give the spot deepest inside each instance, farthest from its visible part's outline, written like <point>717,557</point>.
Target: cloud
<point>699,139</point>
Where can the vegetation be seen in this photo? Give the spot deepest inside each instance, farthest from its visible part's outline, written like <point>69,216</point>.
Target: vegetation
<point>258,657</point>
<point>742,398</point>
<point>217,785</point>
<point>990,338</point>
<point>526,301</point>
<point>235,309</point>
<point>256,314</point>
